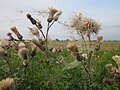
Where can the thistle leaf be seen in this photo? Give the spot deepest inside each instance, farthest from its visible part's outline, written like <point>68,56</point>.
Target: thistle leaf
<point>71,65</point>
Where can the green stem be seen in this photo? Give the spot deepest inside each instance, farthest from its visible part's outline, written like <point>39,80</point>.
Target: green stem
<point>8,66</point>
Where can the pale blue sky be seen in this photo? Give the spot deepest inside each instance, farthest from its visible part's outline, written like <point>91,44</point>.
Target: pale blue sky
<point>106,12</point>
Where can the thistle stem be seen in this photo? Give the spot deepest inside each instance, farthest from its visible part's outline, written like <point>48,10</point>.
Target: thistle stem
<point>8,65</point>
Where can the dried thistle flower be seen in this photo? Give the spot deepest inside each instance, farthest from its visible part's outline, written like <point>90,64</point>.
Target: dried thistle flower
<point>100,39</point>
<point>14,46</point>
<point>7,84</point>
<point>38,44</point>
<point>72,47</point>
<point>55,18</point>
<point>22,45</point>
<point>14,29</point>
<point>25,63</point>
<point>35,32</point>
<point>84,26</point>
<point>33,21</point>
<point>52,12</point>
<point>22,53</point>
<point>115,71</point>
<point>5,43</point>
<point>116,58</point>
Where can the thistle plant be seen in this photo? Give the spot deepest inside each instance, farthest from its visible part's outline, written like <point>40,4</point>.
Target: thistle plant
<point>53,16</point>
<point>114,71</point>
<point>84,27</point>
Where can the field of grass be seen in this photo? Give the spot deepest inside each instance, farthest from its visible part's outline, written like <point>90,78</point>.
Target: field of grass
<point>46,73</point>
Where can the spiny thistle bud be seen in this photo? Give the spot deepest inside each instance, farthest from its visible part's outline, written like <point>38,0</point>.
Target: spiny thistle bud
<point>25,63</point>
<point>52,12</point>
<point>10,36</point>
<point>22,53</point>
<point>38,44</point>
<point>34,48</point>
<point>57,16</point>
<point>7,84</point>
<point>33,21</point>
<point>14,29</point>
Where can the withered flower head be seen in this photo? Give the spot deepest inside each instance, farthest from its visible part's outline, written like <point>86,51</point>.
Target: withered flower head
<point>52,11</point>
<point>25,63</point>
<point>35,32</point>
<point>83,25</point>
<point>72,47</point>
<point>38,44</point>
<point>33,21</point>
<point>14,29</point>
<point>22,53</point>
<point>57,15</point>
<point>7,84</point>
<point>116,58</point>
<point>14,46</point>
<point>100,39</point>
<point>5,43</point>
<point>22,45</point>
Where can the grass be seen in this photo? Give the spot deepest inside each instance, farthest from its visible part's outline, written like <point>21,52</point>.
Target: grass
<point>45,74</point>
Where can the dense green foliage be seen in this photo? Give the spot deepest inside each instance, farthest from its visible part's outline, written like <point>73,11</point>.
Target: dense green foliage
<point>43,73</point>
